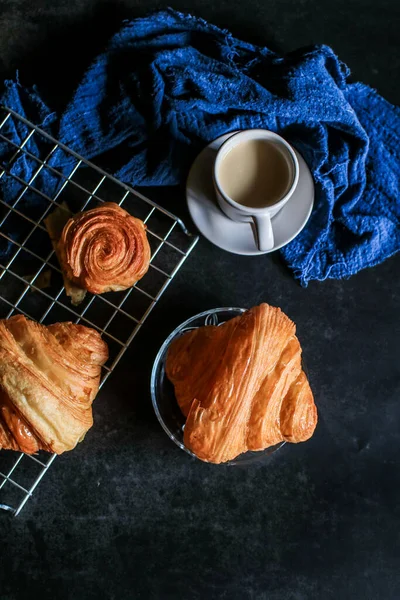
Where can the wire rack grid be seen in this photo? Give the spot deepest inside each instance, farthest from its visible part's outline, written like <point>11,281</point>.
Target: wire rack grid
<point>30,278</point>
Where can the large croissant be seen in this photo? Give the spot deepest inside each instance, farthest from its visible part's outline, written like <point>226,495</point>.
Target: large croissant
<point>104,249</point>
<point>241,385</point>
<point>49,377</point>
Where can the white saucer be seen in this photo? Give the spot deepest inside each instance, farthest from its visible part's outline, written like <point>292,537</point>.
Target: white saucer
<point>238,237</point>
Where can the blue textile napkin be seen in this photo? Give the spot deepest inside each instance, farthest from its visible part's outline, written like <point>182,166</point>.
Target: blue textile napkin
<point>169,83</point>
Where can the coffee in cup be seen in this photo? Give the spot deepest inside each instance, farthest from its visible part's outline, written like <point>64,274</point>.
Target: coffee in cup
<point>255,173</point>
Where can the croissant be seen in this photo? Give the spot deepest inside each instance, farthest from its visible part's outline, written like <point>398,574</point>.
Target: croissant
<point>49,377</point>
<point>104,249</point>
<point>241,385</point>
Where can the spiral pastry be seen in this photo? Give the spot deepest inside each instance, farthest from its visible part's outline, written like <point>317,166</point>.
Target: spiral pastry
<point>104,249</point>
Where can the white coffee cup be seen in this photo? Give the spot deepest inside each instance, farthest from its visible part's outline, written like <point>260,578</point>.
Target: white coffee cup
<point>259,216</point>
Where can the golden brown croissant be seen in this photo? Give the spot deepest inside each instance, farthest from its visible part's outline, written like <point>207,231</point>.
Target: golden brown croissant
<point>49,377</point>
<point>104,249</point>
<point>241,385</point>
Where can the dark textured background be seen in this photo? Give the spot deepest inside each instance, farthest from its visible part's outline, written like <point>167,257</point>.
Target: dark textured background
<point>128,515</point>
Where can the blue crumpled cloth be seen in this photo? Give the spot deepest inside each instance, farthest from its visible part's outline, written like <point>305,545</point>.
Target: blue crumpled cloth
<point>169,83</point>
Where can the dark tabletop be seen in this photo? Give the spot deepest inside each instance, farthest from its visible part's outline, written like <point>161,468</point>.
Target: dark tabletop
<point>129,515</point>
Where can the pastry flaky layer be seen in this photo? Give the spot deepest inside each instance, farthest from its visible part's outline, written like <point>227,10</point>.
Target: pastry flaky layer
<point>104,249</point>
<point>241,385</point>
<point>49,377</point>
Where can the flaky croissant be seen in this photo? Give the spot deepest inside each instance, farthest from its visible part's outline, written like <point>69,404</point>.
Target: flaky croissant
<point>49,377</point>
<point>104,249</point>
<point>241,385</point>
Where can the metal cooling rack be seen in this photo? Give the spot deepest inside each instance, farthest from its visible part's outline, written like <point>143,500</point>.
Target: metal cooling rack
<point>118,316</point>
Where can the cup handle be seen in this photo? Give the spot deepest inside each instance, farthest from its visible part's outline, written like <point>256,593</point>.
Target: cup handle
<point>263,233</point>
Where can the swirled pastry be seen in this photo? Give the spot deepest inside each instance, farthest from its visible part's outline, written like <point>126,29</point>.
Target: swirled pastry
<point>49,377</point>
<point>104,249</point>
<point>241,385</point>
